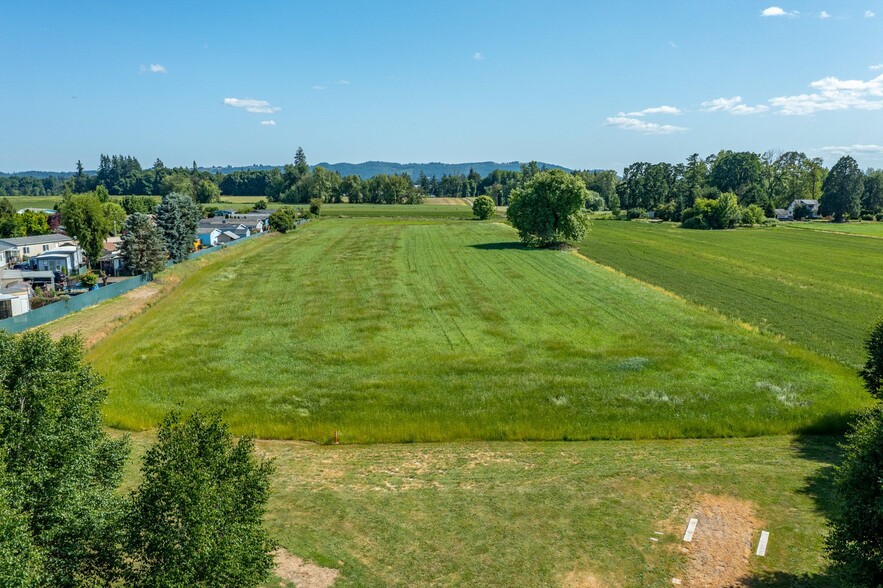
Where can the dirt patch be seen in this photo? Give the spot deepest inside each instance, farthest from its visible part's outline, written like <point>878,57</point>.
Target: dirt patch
<point>582,579</point>
<point>719,555</point>
<point>293,569</point>
<point>448,201</point>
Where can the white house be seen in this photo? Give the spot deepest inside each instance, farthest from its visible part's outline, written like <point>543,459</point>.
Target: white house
<point>811,205</point>
<point>15,300</point>
<point>26,247</point>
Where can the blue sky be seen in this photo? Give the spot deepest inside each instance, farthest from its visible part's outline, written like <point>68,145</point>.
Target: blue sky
<point>563,82</point>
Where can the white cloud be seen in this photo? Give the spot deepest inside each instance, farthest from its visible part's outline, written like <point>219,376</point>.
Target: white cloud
<point>268,123</point>
<point>648,128</point>
<point>654,110</point>
<point>776,11</point>
<point>876,67</point>
<point>857,148</point>
<point>733,106</point>
<point>869,14</point>
<point>672,44</point>
<point>320,88</point>
<point>834,94</point>
<point>343,82</point>
<point>824,14</point>
<point>152,68</point>
<point>477,56</point>
<point>252,105</point>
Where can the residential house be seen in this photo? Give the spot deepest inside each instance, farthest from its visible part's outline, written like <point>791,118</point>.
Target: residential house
<point>27,247</point>
<point>67,259</point>
<point>783,215</point>
<point>811,205</point>
<point>227,236</point>
<point>208,236</point>
<point>15,299</point>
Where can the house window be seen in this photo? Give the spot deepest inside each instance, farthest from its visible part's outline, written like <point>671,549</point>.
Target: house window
<point>5,309</point>
<point>45,247</point>
<point>27,250</point>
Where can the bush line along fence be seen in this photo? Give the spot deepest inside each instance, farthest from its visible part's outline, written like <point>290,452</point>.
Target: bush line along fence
<point>56,310</point>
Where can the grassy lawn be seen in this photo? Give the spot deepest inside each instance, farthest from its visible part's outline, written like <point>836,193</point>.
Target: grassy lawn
<point>821,290</point>
<point>546,514</point>
<point>867,228</point>
<point>429,210</point>
<point>429,331</point>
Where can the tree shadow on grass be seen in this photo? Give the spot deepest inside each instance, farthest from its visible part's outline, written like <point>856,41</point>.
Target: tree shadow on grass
<point>825,450</point>
<point>499,246</point>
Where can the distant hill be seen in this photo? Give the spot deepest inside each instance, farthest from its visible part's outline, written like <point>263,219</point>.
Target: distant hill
<point>43,174</point>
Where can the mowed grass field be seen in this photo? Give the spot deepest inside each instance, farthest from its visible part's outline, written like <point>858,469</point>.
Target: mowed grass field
<point>819,289</point>
<point>866,228</point>
<point>408,330</point>
<point>552,514</point>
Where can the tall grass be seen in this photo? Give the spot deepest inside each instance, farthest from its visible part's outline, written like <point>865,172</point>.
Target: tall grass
<point>393,331</point>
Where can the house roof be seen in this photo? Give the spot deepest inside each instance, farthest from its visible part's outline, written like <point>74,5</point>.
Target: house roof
<point>207,230</point>
<point>230,234</point>
<point>36,240</point>
<point>63,251</point>
<point>806,201</point>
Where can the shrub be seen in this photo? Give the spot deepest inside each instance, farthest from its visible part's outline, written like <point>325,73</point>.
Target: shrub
<point>801,211</point>
<point>855,543</point>
<point>260,204</point>
<point>879,216</point>
<point>722,213</point>
<point>594,201</point>
<point>636,213</point>
<point>867,217</point>
<point>89,279</point>
<point>283,220</point>
<point>667,211</point>
<point>483,208</point>
<point>753,215</point>
<point>315,206</point>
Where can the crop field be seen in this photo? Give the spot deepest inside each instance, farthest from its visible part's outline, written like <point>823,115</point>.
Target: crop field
<point>870,229</point>
<point>408,330</point>
<point>821,290</point>
<point>553,514</point>
<point>428,210</point>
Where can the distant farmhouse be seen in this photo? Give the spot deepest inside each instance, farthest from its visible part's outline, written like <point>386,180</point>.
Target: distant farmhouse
<point>787,214</point>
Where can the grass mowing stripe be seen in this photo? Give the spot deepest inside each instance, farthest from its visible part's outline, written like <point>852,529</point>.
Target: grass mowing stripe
<point>818,289</point>
<point>431,331</point>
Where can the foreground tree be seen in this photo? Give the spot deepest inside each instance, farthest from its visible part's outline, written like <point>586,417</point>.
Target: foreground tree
<point>483,207</point>
<point>61,468</point>
<point>143,247</point>
<point>872,372</point>
<point>855,544</point>
<point>196,519</point>
<point>548,209</point>
<point>178,218</point>
<point>20,561</point>
<point>842,190</point>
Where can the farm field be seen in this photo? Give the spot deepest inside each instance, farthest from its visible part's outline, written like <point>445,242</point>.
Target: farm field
<point>408,330</point>
<point>553,514</point>
<point>821,290</point>
<point>870,229</point>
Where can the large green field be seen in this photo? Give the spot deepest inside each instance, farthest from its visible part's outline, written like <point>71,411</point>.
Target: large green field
<point>554,514</point>
<point>408,330</point>
<point>819,289</point>
<point>867,228</point>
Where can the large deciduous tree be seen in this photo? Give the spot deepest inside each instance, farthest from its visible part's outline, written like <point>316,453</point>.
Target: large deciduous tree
<point>85,219</point>
<point>61,467</point>
<point>178,218</point>
<point>196,519</point>
<point>548,209</point>
<point>143,247</point>
<point>842,190</point>
<point>872,372</point>
<point>483,207</point>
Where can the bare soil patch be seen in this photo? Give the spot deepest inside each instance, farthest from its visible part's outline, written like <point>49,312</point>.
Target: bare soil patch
<point>293,569</point>
<point>719,555</point>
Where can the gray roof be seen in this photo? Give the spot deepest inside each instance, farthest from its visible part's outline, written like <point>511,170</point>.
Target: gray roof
<point>37,240</point>
<point>806,201</point>
<point>230,235</point>
<point>206,230</point>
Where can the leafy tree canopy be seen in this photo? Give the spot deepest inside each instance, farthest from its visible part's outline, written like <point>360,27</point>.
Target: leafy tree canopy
<point>548,209</point>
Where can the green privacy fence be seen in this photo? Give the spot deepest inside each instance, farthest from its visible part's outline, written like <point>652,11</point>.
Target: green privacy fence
<point>56,310</point>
